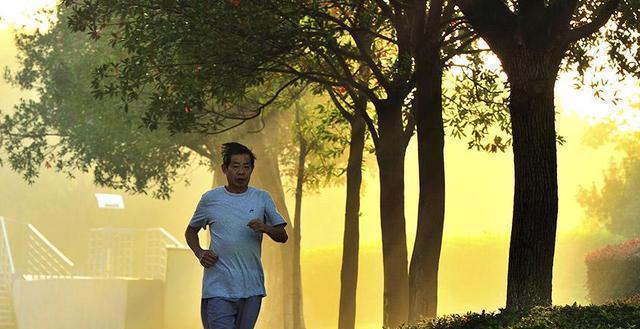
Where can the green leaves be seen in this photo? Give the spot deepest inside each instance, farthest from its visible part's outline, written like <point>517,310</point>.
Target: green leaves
<point>475,101</point>
<point>68,130</point>
<point>615,204</point>
<point>617,41</point>
<point>183,54</point>
<point>324,132</point>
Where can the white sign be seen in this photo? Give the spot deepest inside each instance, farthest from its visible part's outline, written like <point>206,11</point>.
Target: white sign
<point>110,201</point>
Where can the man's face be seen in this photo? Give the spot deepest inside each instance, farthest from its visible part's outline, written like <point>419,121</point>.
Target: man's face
<point>239,170</point>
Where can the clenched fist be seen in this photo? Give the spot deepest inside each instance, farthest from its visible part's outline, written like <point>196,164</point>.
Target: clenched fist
<point>258,226</point>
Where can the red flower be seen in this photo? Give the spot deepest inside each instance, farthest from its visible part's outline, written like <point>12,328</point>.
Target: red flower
<point>623,250</point>
<point>235,3</point>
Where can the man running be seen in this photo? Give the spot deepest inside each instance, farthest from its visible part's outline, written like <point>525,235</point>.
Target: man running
<point>237,215</point>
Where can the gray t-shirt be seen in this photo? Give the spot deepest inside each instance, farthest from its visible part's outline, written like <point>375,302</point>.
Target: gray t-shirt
<point>238,272</point>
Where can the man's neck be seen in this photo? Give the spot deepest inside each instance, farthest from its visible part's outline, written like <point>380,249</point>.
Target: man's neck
<point>236,189</point>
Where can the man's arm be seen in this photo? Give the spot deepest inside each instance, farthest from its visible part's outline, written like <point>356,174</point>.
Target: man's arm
<point>206,257</point>
<point>276,233</point>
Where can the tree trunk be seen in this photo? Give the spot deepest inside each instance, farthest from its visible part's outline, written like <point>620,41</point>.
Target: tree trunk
<point>531,50</point>
<point>277,309</point>
<point>219,178</point>
<point>390,155</point>
<point>298,322</point>
<point>423,271</point>
<point>351,239</point>
<point>535,205</point>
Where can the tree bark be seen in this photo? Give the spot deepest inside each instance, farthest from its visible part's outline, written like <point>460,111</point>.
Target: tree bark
<point>425,260</point>
<point>390,156</point>
<point>532,78</point>
<point>277,310</point>
<point>351,239</point>
<point>219,178</point>
<point>298,321</point>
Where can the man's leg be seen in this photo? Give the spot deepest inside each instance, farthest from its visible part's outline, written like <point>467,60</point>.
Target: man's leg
<point>203,312</point>
<point>248,312</point>
<point>218,313</point>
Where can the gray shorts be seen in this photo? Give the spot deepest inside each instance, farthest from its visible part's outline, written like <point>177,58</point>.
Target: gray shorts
<point>227,313</point>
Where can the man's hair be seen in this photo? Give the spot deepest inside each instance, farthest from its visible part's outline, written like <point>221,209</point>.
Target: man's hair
<point>233,148</point>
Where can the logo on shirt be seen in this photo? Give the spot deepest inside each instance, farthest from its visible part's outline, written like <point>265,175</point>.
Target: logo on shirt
<point>250,211</point>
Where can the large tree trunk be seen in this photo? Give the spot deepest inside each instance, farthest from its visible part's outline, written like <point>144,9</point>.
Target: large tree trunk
<point>531,42</point>
<point>535,205</point>
<point>423,272</point>
<point>298,321</point>
<point>277,309</point>
<point>219,178</point>
<point>390,155</point>
<point>351,239</point>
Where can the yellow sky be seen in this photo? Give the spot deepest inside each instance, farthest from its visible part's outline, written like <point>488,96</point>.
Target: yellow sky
<point>23,13</point>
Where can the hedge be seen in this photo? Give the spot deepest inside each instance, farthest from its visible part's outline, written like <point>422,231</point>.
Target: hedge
<point>617,315</point>
<point>613,272</point>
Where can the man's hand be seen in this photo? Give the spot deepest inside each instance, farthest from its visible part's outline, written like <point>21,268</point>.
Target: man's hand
<point>276,233</point>
<point>258,226</point>
<point>207,258</point>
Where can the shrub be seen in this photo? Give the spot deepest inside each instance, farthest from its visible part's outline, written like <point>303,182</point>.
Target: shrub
<point>618,315</point>
<point>613,272</point>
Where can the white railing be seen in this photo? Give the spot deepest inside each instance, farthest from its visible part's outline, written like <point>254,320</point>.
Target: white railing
<point>127,252</point>
<point>44,259</point>
<point>29,254</point>
<point>171,238</point>
<point>7,247</point>
<point>7,273</point>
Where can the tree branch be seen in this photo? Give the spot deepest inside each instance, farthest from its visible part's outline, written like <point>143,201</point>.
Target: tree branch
<point>34,136</point>
<point>348,75</point>
<point>529,8</point>
<point>362,112</point>
<point>460,49</point>
<point>562,13</point>
<point>600,17</point>
<point>199,149</point>
<point>434,17</point>
<point>411,125</point>
<point>348,116</point>
<point>448,11</point>
<point>262,105</point>
<point>492,20</point>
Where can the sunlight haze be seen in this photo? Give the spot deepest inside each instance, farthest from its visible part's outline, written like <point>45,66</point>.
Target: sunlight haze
<point>479,201</point>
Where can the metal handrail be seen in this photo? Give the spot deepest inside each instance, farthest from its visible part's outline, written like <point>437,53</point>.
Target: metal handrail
<point>7,245</point>
<point>50,245</point>
<point>168,235</point>
<point>41,263</point>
